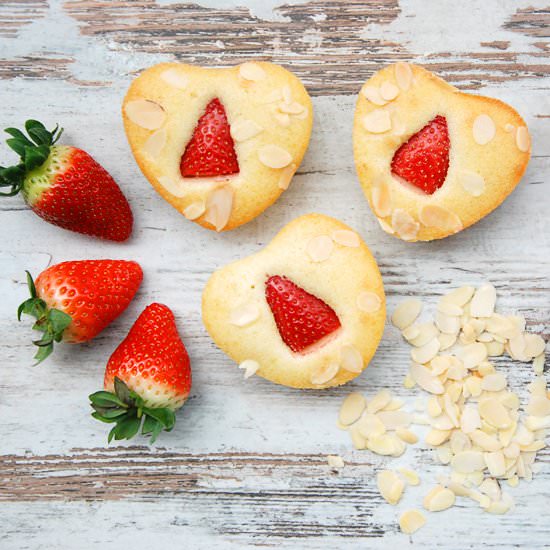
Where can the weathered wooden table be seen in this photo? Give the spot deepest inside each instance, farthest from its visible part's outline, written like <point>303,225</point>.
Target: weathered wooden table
<point>246,463</point>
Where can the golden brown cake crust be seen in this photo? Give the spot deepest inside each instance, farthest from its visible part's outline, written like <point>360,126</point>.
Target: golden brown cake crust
<point>490,149</point>
<point>270,114</point>
<point>345,276</point>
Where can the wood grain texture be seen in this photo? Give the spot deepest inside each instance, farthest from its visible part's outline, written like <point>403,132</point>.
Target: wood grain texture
<point>245,466</point>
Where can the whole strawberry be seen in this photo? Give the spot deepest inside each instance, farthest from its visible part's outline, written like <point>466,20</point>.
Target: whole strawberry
<point>75,301</point>
<point>65,185</point>
<point>147,378</point>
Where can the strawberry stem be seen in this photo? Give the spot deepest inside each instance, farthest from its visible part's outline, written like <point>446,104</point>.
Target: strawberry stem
<point>126,409</point>
<point>50,321</point>
<point>33,151</point>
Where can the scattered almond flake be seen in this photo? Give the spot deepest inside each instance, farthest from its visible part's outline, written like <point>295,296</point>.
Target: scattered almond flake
<point>324,374</point>
<point>448,308</point>
<point>483,301</point>
<point>493,382</point>
<point>287,93</point>
<point>373,95</point>
<point>244,315</point>
<point>403,75</point>
<point>385,226</point>
<point>485,368</point>
<point>459,442</point>
<point>458,489</point>
<point>483,500</point>
<point>447,324</point>
<point>495,463</point>
<point>244,129</point>
<point>174,77</point>
<point>467,462</point>
<point>432,215</point>
<point>538,406</point>
<point>286,176</point>
<point>411,521</point>
<point>442,422</point>
<point>406,313</point>
<point>369,425</point>
<point>434,408</point>
<point>282,119</point>
<point>537,422</point>
<point>377,121</point>
<point>534,345</point>
<point>439,499</point>
<point>426,353</point>
<point>335,461</point>
<point>501,506</point>
<point>538,364</point>
<point>421,420</point>
<point>428,331</point>
<point>382,445</point>
<point>408,382</point>
<point>470,420</point>
<point>251,71</point>
<point>444,454</point>
<point>359,442</point>
<point>411,332</point>
<point>473,354</point>
<point>219,206</point>
<point>174,188</point>
<point>502,326</point>
<point>345,237</point>
<point>250,367</point>
<point>533,447</point>
<point>474,386</point>
<point>424,378</point>
<point>459,296</point>
<point>394,405</point>
<point>274,156</point>
<point>513,481</point>
<point>485,441</point>
<point>394,419</point>
<point>320,248</point>
<point>381,200</point>
<point>523,141</point>
<point>369,302</point>
<point>391,487</point>
<point>440,364</point>
<point>406,435</point>
<point>145,113</point>
<point>457,371</point>
<point>155,143</point>
<point>410,476</point>
<point>483,129</point>
<point>472,182</point>
<point>491,488</point>
<point>388,91</point>
<point>494,349</point>
<point>399,446</point>
<point>194,210</point>
<point>494,412</point>
<point>352,408</point>
<point>437,437</point>
<point>379,401</point>
<point>404,225</point>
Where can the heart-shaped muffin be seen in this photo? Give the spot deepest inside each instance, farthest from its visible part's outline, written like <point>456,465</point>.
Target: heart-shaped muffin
<point>220,145</point>
<point>307,311</point>
<point>431,159</point>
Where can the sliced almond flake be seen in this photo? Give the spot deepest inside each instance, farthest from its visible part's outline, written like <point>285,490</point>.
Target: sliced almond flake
<point>379,401</point>
<point>406,435</point>
<point>459,442</point>
<point>403,75</point>
<point>523,141</point>
<point>274,156</point>
<point>467,462</point>
<point>244,315</point>
<point>293,108</point>
<point>372,93</point>
<point>432,215</point>
<point>434,409</point>
<point>421,420</point>
<point>483,500</point>
<point>282,119</point>
<point>345,237</point>
<point>538,364</point>
<point>444,454</point>
<point>410,476</point>
<point>533,447</point>
<point>358,441</point>
<point>394,405</point>
<point>399,446</point>
<point>385,226</point>
<point>459,489</point>
<point>475,478</point>
<point>501,326</point>
<point>287,93</point>
<point>351,359</point>
<point>411,521</point>
<point>252,71</point>
<point>538,406</point>
<point>377,121</point>
<point>155,143</point>
<point>219,206</point>
<point>244,129</point>
<point>483,301</point>
<point>369,425</point>
<point>510,400</point>
<point>145,113</point>
<point>175,189</point>
<point>511,451</point>
<point>390,486</point>
<point>513,481</point>
<point>437,437</point>
<point>388,91</point>
<point>494,413</point>
<point>451,410</point>
<point>447,324</point>
<point>483,129</point>
<point>494,382</point>
<point>176,78</point>
<point>495,463</point>
<point>404,225</point>
<point>408,382</point>
<point>352,408</point>
<point>485,368</point>
<point>440,364</point>
<point>381,200</point>
<point>425,353</point>
<point>494,349</point>
<point>194,210</point>
<point>486,338</point>
<point>382,445</point>
<point>411,332</point>
<point>428,331</point>
<point>250,367</point>
<point>320,248</point>
<point>448,308</point>
<point>474,386</point>
<point>439,499</point>
<point>538,387</point>
<point>457,371</point>
<point>324,374</point>
<point>442,422</point>
<point>537,422</point>
<point>491,488</point>
<point>534,345</point>
<point>446,341</point>
<point>473,354</point>
<point>485,441</point>
<point>472,182</point>
<point>369,302</point>
<point>459,296</point>
<point>406,313</point>
<point>394,419</point>
<point>424,378</point>
<point>500,506</point>
<point>335,461</point>
<point>286,175</point>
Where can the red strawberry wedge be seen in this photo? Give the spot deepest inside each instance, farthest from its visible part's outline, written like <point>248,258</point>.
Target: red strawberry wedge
<point>423,161</point>
<point>147,378</point>
<point>211,151</point>
<point>302,319</point>
<point>75,301</point>
<point>65,185</point>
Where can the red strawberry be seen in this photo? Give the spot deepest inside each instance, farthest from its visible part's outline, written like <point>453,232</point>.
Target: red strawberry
<point>148,376</point>
<point>65,185</point>
<point>75,301</point>
<point>211,151</point>
<point>423,161</point>
<point>302,319</point>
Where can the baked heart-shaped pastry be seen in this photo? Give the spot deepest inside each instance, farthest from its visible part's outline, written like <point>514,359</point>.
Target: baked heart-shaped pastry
<point>220,145</point>
<point>431,159</point>
<point>307,311</point>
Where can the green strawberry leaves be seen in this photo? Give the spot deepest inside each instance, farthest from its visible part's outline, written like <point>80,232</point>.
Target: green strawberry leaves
<point>33,151</point>
<point>127,410</point>
<point>50,322</point>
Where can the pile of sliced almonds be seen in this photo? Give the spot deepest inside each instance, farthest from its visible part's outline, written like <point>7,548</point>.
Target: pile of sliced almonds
<point>474,419</point>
